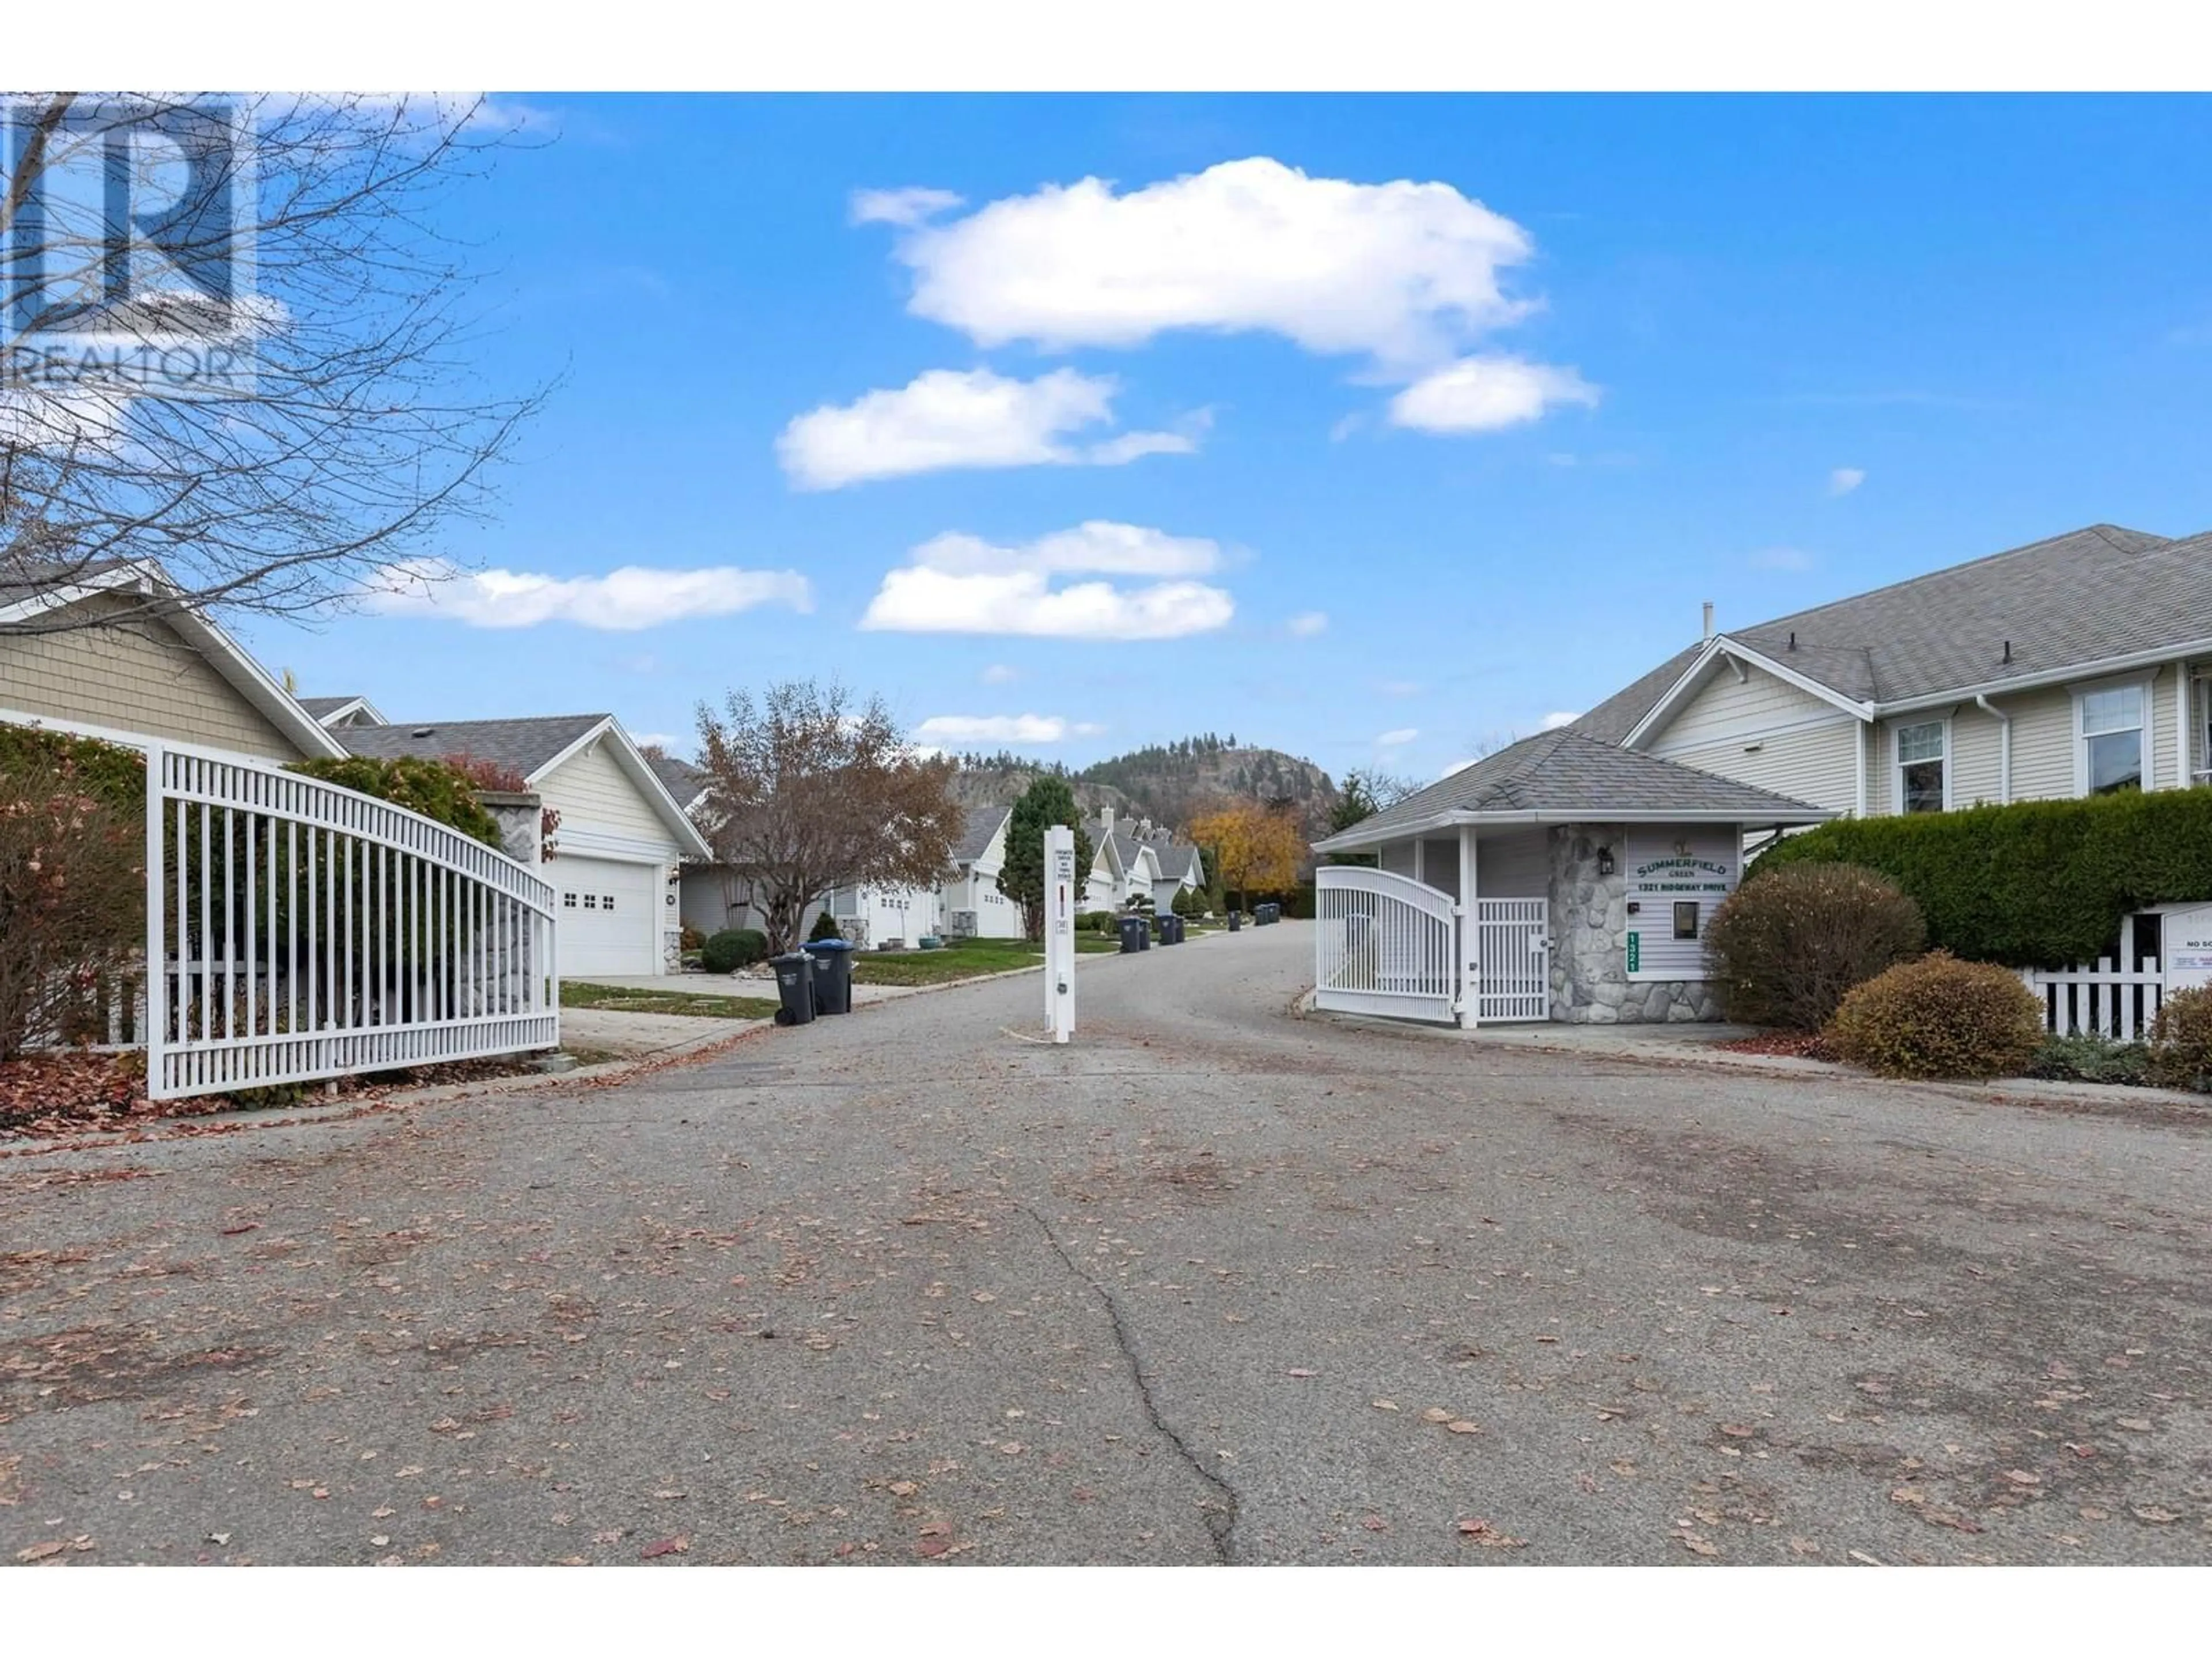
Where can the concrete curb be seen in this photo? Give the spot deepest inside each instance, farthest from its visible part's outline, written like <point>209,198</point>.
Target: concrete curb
<point>1610,1046</point>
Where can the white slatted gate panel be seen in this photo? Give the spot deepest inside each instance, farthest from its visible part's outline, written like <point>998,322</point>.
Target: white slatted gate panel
<point>1384,944</point>
<point>308,930</point>
<point>2107,999</point>
<point>1515,981</point>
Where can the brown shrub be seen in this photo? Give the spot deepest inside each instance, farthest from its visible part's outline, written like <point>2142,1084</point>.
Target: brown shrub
<point>72,899</point>
<point>1939,1017</point>
<point>1786,945</point>
<point>2181,1043</point>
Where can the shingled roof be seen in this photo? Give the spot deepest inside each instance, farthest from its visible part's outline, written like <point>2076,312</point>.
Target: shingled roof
<point>683,782</point>
<point>2027,615</point>
<point>977,831</point>
<point>1568,777</point>
<point>521,745</point>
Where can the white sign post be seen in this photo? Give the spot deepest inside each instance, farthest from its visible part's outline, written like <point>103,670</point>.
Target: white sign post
<point>1059,931</point>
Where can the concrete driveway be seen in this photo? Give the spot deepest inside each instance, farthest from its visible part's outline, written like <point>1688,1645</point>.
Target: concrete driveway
<point>1212,1284</point>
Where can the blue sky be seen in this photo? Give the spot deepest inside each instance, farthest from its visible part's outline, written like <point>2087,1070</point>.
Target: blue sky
<point>1370,473</point>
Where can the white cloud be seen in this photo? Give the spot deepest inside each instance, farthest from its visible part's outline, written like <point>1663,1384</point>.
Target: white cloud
<point>1307,624</point>
<point>947,418</point>
<point>1404,273</point>
<point>961,584</point>
<point>906,208</point>
<point>1484,394</point>
<point>999,674</point>
<point>1399,737</point>
<point>1783,558</point>
<point>1553,722</point>
<point>665,741</point>
<point>621,601</point>
<point>1005,728</point>
<point>1845,479</point>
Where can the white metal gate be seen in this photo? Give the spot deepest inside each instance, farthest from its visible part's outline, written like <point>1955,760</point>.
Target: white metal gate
<point>1515,981</point>
<point>305,931</point>
<point>1384,944</point>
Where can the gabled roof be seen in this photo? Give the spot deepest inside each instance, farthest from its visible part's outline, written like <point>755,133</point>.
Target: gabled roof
<point>2034,615</point>
<point>1176,858</point>
<point>978,831</point>
<point>533,746</point>
<point>685,782</point>
<point>29,591</point>
<point>331,710</point>
<point>528,746</point>
<point>1568,777</point>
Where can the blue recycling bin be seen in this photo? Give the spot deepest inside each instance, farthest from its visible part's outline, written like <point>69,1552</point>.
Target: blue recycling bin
<point>833,976</point>
<point>1133,930</point>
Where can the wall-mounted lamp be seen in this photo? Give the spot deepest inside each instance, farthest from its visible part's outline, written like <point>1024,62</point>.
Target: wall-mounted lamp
<point>1605,860</point>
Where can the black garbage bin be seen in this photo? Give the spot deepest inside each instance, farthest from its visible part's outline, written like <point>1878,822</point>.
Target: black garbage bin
<point>1235,922</point>
<point>1133,933</point>
<point>1144,933</point>
<point>794,983</point>
<point>833,976</point>
<point>1170,930</point>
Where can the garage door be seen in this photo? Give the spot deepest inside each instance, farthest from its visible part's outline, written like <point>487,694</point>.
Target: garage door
<point>605,916</point>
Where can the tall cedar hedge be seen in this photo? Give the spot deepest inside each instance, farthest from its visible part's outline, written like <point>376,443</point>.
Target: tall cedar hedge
<point>2039,884</point>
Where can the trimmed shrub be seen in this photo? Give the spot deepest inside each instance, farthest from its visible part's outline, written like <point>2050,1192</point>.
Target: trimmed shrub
<point>688,938</point>
<point>733,948</point>
<point>432,787</point>
<point>2181,1043</point>
<point>2039,884</point>
<point>1786,945</point>
<point>1939,1017</point>
<point>1096,922</point>
<point>2086,1057</point>
<point>112,773</point>
<point>72,889</point>
<point>1188,902</point>
<point>826,927</point>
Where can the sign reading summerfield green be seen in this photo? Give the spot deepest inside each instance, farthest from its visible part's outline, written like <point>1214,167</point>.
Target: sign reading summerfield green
<point>1681,875</point>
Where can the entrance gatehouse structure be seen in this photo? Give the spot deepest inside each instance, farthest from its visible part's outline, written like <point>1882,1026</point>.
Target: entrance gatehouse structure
<point>1561,878</point>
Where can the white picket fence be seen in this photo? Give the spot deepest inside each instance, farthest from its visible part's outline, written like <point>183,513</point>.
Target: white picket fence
<point>1384,943</point>
<point>2107,999</point>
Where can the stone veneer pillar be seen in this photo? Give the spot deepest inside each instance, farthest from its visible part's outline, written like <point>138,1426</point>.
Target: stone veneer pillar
<point>1590,940</point>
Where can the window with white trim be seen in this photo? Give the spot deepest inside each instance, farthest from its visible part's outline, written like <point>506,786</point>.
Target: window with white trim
<point>2109,725</point>
<point>1924,768</point>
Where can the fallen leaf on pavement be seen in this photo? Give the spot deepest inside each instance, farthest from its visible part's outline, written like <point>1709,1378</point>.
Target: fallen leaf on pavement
<point>2138,1425</point>
<point>1437,1414</point>
<point>1482,1532</point>
<point>665,1546</point>
<point>1697,1546</point>
<point>903,1488</point>
<point>1302,1373</point>
<point>1386,1405</point>
<point>2022,1477</point>
<point>2151,1513</point>
<point>1462,1426</point>
<point>41,1552</point>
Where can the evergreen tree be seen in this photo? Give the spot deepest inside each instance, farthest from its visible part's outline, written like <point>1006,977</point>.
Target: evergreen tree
<point>1046,802</point>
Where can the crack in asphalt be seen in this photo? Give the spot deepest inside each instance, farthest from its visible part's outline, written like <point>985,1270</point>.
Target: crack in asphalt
<point>1220,1519</point>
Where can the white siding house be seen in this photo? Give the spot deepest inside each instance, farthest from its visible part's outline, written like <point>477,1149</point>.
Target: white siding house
<point>622,838</point>
<point>2068,667</point>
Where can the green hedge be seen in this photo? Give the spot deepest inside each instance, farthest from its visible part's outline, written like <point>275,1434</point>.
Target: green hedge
<point>431,787</point>
<point>2038,883</point>
<point>114,775</point>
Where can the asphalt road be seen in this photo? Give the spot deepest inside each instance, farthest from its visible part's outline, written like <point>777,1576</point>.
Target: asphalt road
<point>906,1287</point>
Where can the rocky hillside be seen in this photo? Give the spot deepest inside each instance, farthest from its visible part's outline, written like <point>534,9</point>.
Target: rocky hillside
<point>1169,783</point>
<point>1172,783</point>
<point>999,780</point>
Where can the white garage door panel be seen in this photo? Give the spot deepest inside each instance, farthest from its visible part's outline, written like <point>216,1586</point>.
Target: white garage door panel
<point>605,917</point>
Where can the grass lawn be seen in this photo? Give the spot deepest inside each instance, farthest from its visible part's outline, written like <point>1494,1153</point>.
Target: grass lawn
<point>630,1000</point>
<point>963,960</point>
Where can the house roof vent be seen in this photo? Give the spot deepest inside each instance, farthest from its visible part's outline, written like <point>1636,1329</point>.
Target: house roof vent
<point>423,731</point>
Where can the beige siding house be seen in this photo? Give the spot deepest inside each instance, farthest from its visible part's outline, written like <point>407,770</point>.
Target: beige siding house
<point>87,658</point>
<point>622,840</point>
<point>2072,666</point>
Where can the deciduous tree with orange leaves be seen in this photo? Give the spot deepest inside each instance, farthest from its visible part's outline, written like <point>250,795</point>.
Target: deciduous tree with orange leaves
<point>1253,848</point>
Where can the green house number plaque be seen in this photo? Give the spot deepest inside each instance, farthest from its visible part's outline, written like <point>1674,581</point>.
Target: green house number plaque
<point>1635,952</point>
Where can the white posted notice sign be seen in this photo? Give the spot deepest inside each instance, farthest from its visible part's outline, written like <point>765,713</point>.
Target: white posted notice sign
<point>1059,931</point>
